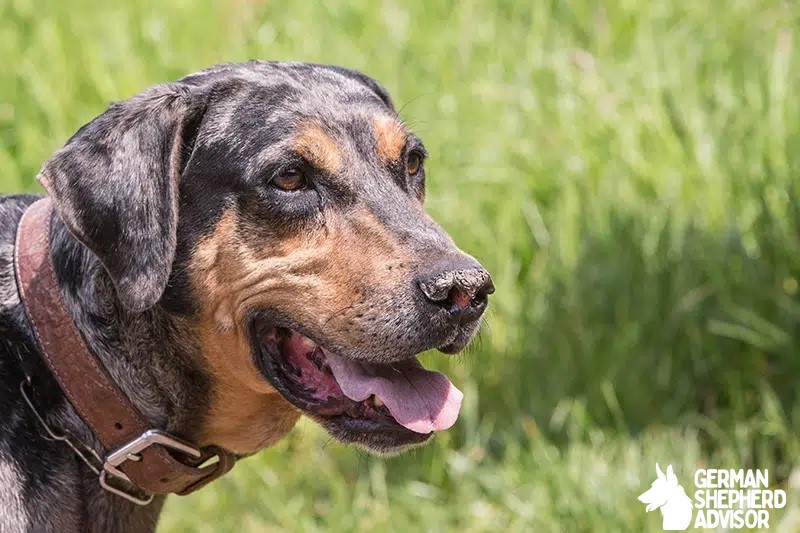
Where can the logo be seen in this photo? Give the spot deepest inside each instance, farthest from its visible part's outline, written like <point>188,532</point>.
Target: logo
<point>667,495</point>
<point>729,499</point>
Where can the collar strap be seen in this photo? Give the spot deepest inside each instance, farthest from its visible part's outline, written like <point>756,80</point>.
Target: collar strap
<point>137,454</point>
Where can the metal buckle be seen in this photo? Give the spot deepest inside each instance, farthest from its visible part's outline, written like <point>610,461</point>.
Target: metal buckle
<point>128,452</point>
<point>131,452</point>
<point>123,493</point>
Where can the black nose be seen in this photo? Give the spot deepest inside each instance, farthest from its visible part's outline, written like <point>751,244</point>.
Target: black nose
<point>461,289</point>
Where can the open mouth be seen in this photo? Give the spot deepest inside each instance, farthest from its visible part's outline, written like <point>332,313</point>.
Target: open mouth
<point>382,406</point>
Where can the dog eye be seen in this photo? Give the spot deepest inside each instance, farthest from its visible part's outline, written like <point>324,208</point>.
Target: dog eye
<point>292,179</point>
<point>414,163</point>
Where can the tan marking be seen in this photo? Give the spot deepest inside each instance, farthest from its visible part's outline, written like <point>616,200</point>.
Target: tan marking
<point>313,278</point>
<point>390,137</point>
<point>246,413</point>
<point>319,148</point>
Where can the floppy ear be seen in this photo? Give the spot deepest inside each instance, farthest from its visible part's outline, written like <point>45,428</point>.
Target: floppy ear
<point>115,185</point>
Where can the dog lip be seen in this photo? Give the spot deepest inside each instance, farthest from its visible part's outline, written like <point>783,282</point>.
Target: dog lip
<point>373,434</point>
<point>346,419</point>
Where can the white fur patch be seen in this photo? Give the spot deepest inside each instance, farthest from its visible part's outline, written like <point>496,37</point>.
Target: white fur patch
<point>13,518</point>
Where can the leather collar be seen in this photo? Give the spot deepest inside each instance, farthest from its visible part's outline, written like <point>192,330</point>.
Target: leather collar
<point>138,461</point>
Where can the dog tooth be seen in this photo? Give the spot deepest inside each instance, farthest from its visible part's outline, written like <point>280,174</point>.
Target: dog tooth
<point>307,343</point>
<point>377,401</point>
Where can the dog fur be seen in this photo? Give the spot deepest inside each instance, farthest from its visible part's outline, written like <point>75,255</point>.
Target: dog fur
<point>170,238</point>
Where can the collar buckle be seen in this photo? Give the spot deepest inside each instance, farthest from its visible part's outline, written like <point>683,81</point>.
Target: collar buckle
<point>132,452</point>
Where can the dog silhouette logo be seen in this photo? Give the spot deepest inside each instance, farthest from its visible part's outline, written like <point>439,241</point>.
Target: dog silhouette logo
<point>667,495</point>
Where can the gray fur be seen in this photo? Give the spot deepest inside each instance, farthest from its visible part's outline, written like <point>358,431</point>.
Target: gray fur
<point>13,513</point>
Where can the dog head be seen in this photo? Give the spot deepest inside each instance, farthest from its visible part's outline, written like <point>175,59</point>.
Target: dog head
<point>279,206</point>
<point>661,490</point>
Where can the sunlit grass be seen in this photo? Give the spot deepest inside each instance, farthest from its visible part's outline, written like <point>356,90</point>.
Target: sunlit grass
<point>628,173</point>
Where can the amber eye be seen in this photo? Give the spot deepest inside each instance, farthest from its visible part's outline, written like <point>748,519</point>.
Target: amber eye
<point>413,163</point>
<point>290,180</point>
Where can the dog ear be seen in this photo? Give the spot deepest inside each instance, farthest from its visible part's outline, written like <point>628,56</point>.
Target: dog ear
<point>115,185</point>
<point>659,473</point>
<point>671,478</point>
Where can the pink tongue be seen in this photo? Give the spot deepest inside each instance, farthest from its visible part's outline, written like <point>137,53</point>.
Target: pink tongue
<point>421,400</point>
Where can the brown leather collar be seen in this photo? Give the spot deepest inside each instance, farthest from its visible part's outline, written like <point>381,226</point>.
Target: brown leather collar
<point>135,454</point>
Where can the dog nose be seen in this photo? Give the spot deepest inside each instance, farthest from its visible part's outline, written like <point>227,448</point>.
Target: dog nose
<point>461,289</point>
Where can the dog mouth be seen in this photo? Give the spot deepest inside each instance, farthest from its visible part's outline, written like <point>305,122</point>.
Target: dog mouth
<point>382,406</point>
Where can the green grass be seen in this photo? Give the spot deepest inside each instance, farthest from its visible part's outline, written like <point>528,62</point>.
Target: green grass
<point>631,176</point>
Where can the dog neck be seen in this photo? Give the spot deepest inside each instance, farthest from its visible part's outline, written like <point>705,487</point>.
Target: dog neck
<point>151,356</point>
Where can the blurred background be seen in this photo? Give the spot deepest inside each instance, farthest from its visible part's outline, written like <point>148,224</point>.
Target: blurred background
<point>629,175</point>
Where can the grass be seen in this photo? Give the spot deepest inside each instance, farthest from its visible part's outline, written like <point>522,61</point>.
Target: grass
<point>628,173</point>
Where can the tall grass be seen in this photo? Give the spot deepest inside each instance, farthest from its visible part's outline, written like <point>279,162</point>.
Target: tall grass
<point>629,174</point>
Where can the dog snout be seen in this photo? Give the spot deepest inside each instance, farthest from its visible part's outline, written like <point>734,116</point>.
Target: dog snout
<point>462,288</point>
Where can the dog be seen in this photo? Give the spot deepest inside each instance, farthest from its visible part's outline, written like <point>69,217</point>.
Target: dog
<point>237,248</point>
<point>667,495</point>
